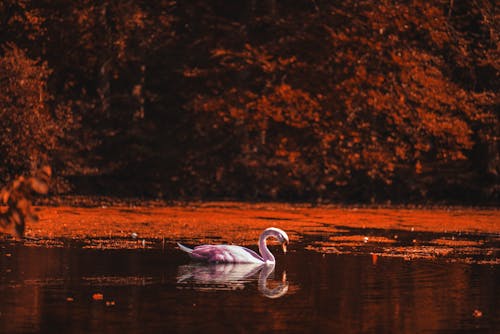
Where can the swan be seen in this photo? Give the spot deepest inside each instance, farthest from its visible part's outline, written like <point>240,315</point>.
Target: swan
<point>238,254</point>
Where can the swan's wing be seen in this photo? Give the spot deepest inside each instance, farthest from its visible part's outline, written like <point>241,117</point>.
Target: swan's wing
<point>225,253</point>
<point>200,255</point>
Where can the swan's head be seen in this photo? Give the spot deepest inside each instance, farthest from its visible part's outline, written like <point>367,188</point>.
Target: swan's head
<point>279,234</point>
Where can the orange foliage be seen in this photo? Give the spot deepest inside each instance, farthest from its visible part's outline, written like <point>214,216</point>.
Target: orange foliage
<point>30,130</point>
<point>382,103</point>
<point>310,99</point>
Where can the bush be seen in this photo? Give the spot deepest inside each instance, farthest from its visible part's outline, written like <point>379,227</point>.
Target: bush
<point>29,129</point>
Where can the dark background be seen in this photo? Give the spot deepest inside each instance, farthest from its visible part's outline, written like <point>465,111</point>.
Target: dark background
<point>294,100</point>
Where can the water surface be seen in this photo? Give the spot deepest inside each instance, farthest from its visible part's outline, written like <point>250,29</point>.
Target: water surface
<point>73,289</point>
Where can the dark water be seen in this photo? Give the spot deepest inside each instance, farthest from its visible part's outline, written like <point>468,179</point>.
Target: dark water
<point>70,289</point>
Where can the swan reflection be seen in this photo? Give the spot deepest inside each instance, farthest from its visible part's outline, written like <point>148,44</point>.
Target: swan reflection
<point>231,276</point>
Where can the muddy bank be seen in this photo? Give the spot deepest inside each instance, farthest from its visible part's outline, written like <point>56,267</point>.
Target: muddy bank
<point>447,232</point>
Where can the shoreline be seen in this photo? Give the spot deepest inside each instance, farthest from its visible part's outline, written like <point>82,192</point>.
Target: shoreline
<point>468,234</point>
<point>98,201</point>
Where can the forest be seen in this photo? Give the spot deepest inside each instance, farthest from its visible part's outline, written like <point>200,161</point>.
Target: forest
<point>258,100</point>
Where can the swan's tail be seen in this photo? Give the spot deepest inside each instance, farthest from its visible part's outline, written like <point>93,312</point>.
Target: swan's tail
<point>184,248</point>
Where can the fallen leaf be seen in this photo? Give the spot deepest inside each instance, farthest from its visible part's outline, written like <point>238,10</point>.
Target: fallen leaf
<point>97,296</point>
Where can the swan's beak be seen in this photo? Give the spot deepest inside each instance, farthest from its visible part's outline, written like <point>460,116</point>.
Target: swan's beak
<point>283,245</point>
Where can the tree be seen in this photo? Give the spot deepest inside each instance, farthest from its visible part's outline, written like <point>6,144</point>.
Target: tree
<point>299,99</point>
<point>101,55</point>
<point>361,98</point>
<point>30,130</point>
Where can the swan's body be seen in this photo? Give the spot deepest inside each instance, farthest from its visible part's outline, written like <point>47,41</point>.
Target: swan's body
<point>238,254</point>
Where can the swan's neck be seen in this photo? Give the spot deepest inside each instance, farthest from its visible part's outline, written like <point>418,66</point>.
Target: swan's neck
<point>267,256</point>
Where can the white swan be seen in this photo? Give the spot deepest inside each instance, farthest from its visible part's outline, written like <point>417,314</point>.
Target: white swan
<point>238,254</point>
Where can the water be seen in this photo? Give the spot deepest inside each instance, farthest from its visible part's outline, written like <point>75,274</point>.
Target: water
<point>72,289</point>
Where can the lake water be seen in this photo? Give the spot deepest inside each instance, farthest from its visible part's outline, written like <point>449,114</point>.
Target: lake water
<point>70,289</point>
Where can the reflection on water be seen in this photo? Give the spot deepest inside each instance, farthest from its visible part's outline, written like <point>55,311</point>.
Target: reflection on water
<point>230,276</point>
<point>79,290</point>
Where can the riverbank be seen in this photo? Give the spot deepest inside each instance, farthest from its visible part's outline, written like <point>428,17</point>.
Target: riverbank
<point>325,229</point>
<point>425,232</point>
